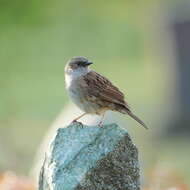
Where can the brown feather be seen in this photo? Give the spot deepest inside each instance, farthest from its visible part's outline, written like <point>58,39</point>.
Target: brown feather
<point>137,119</point>
<point>103,92</point>
<point>102,88</point>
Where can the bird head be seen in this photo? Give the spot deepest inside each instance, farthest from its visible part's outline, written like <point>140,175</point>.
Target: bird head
<point>78,64</point>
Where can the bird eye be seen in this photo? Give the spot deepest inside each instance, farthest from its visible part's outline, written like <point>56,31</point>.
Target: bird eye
<point>80,64</point>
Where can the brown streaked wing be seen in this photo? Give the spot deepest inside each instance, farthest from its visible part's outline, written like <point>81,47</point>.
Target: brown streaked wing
<point>103,89</point>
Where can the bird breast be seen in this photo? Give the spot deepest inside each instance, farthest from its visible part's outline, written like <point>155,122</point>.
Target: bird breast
<point>79,95</point>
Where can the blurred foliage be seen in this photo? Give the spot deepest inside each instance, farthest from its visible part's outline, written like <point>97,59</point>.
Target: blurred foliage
<point>36,40</point>
<point>165,178</point>
<point>10,181</point>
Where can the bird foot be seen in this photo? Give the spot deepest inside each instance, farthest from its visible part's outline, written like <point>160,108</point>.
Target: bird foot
<point>100,124</point>
<point>75,121</point>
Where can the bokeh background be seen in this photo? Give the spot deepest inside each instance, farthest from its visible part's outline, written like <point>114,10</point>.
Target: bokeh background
<point>142,46</point>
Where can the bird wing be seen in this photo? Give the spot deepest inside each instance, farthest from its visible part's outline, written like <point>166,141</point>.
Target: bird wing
<point>101,88</point>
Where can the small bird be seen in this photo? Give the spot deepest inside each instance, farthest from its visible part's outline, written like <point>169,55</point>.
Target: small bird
<point>92,92</point>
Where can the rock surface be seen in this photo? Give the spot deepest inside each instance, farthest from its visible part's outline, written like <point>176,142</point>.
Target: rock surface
<point>90,158</point>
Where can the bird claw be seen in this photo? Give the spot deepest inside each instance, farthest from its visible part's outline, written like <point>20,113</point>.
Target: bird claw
<point>75,121</point>
<point>100,124</point>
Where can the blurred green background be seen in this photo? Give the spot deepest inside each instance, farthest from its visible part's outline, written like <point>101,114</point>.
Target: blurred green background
<point>130,42</point>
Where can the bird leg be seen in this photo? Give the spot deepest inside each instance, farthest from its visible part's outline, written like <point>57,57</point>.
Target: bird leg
<point>102,120</point>
<point>75,120</point>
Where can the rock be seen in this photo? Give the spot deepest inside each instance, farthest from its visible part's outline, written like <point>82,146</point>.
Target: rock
<point>90,158</point>
<point>65,117</point>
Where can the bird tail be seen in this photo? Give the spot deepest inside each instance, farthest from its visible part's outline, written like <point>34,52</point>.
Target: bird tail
<point>127,111</point>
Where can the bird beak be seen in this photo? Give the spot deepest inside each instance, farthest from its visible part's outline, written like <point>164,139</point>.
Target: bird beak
<point>89,63</point>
